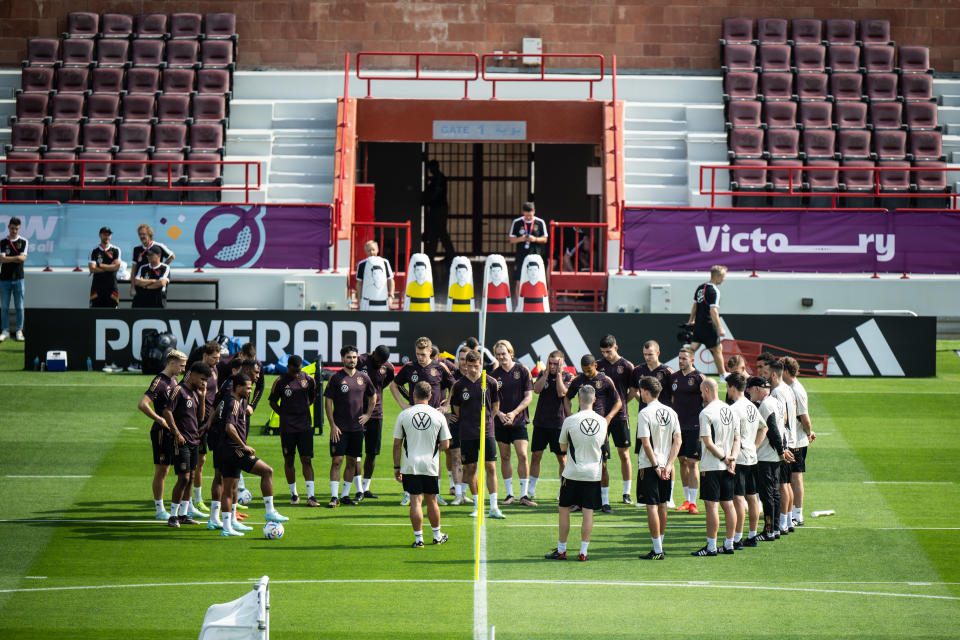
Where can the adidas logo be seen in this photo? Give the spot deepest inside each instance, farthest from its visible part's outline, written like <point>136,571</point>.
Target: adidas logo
<point>879,359</point>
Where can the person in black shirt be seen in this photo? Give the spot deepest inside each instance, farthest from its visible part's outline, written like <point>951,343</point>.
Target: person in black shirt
<point>104,263</point>
<point>705,317</point>
<point>551,387</point>
<point>381,371</point>
<point>529,233</point>
<point>184,414</point>
<point>292,395</point>
<point>151,282</point>
<point>13,253</point>
<point>145,233</point>
<point>435,221</point>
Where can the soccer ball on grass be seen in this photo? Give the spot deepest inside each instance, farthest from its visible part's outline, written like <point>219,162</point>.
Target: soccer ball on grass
<point>272,530</point>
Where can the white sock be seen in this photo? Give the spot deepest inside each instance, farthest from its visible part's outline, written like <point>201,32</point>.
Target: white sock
<point>657,545</point>
<point>452,483</point>
<point>174,509</point>
<point>686,494</point>
<point>508,483</point>
<point>293,488</point>
<point>583,547</point>
<point>738,536</point>
<point>463,488</point>
<point>227,522</point>
<point>752,534</point>
<point>334,488</point>
<point>458,489</point>
<point>185,507</point>
<point>561,546</point>
<point>784,521</point>
<point>728,543</point>
<point>532,487</point>
<point>418,535</point>
<point>711,544</point>
<point>233,514</point>
<point>493,501</point>
<point>240,484</point>
<point>358,483</point>
<point>159,505</point>
<point>214,510</point>
<point>345,491</point>
<point>197,495</point>
<point>798,513</point>
<point>365,485</point>
<point>310,486</point>
<point>661,542</point>
<point>693,495</point>
<point>671,489</point>
<point>626,486</point>
<point>436,532</point>
<point>268,504</point>
<point>524,483</point>
<point>604,495</point>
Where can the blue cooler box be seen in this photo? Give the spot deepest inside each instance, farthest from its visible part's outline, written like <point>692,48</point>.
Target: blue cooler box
<point>56,360</point>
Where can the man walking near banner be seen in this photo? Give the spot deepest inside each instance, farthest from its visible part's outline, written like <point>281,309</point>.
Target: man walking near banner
<point>705,317</point>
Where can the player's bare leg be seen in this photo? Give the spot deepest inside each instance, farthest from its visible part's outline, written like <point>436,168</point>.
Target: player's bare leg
<point>506,469</point>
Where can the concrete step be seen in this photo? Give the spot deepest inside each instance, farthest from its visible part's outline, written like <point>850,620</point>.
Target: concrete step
<point>652,150</point>
<point>318,123</point>
<point>652,124</point>
<point>249,142</point>
<point>654,110</point>
<point>655,165</point>
<point>707,146</point>
<point>638,193</point>
<point>302,164</point>
<point>292,177</point>
<point>289,148</point>
<point>250,114</point>
<point>705,117</point>
<point>651,178</point>
<point>950,100</point>
<point>321,192</point>
<point>240,196</point>
<point>948,115</point>
<point>234,174</point>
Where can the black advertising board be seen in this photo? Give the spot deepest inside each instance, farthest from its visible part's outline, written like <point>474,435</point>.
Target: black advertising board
<point>857,345</point>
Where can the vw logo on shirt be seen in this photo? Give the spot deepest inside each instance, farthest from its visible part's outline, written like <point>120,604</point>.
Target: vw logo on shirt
<point>663,417</point>
<point>288,392</point>
<point>589,426</point>
<point>344,388</point>
<point>421,421</point>
<point>414,378</point>
<point>751,413</point>
<point>726,416</point>
<point>466,395</point>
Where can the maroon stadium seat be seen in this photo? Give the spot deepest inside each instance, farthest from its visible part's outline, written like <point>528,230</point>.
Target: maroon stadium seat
<point>930,180</point>
<point>173,108</point>
<point>77,53</point>
<point>826,179</point>
<point>922,115</point>
<point>170,136</point>
<point>926,145</point>
<point>882,86</point>
<point>218,54</point>
<point>844,59</point>
<point>745,143</point>
<point>113,53</point>
<point>204,174</point>
<point>220,26</point>
<point>36,80</point>
<point>819,143</point>
<point>812,86</point>
<point>103,107</point>
<point>63,136</point>
<point>33,107</point>
<point>806,31</point>
<point>878,59</point>
<point>780,178</point>
<point>737,31</point>
<point>68,107</point>
<point>846,86</point>
<point>116,25</point>
<point>774,57</point>
<point>178,81</point>
<point>217,82</point>
<point>26,136</point>
<point>816,115</point>
<point>736,57</point>
<point>134,136</point>
<point>754,179</point>
<point>183,54</point>
<point>783,143</point>
<point>73,80</point>
<point>889,144</point>
<point>772,31</point>
<point>98,171</point>
<point>42,52</point>
<point>163,173</point>
<point>152,25</point>
<point>214,109</point>
<point>134,168</point>
<point>741,113</point>
<point>99,136</point>
<point>143,80</point>
<point>914,59</point>
<point>780,115</point>
<point>853,143</point>
<point>875,32</point>
<point>851,115</point>
<point>185,26</point>
<point>138,108</point>
<point>862,180</point>
<point>776,86</point>
<point>148,52</point>
<point>841,31</point>
<point>82,24</point>
<point>209,137</point>
<point>24,172</point>
<point>810,57</point>
<point>108,80</point>
<point>59,172</point>
<point>894,180</point>
<point>917,86</point>
<point>886,115</point>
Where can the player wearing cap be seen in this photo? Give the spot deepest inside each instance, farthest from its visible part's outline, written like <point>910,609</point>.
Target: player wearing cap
<point>421,433</point>
<point>658,432</point>
<point>720,434</point>
<point>516,394</point>
<point>745,488</point>
<point>620,372</point>
<point>770,453</point>
<point>104,264</point>
<point>805,435</point>
<point>551,387</point>
<point>151,281</point>
<point>687,402</point>
<point>782,392</point>
<point>584,434</point>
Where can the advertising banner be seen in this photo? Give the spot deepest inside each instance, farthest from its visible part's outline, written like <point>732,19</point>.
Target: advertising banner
<point>856,345</point>
<point>225,236</point>
<point>811,241</point>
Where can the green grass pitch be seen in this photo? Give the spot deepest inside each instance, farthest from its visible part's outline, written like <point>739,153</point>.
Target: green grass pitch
<point>83,558</point>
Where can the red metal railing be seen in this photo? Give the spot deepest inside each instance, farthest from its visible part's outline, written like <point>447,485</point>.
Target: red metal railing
<point>393,239</point>
<point>795,183</point>
<point>578,266</point>
<point>812,365</point>
<point>419,72</point>
<point>494,78</point>
<point>344,124</point>
<point>81,183</point>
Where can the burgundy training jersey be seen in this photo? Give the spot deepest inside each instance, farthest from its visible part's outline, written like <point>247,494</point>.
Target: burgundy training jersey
<point>550,413</point>
<point>185,406</point>
<point>513,386</point>
<point>607,395</point>
<point>381,377</point>
<point>662,373</point>
<point>295,397</point>
<point>159,394</point>
<point>434,373</point>
<point>620,373</point>
<point>466,397</point>
<point>350,395</point>
<point>687,401</point>
<point>230,411</point>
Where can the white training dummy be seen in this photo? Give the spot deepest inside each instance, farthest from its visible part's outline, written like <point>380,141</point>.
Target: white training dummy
<point>496,284</point>
<point>373,273</point>
<point>460,292</point>
<point>533,285</point>
<point>419,293</point>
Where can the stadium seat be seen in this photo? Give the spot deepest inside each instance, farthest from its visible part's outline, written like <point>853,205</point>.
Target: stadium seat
<point>99,136</point>
<point>134,136</point>
<point>780,179</point>
<point>878,59</point>
<point>139,108</point>
<point>854,144</point>
<point>754,179</point>
<point>783,143</point>
<point>846,86</point>
<point>736,57</point>
<point>116,25</point>
<point>209,137</point>
<point>886,115</point>
<point>875,32</point>
<point>819,143</point>
<point>812,86</point>
<point>806,31</point>
<point>926,145</point>
<point>891,180</point>
<point>63,136</point>
<point>183,54</point>
<point>73,80</point>
<point>97,169</point>
<point>841,31</point>
<point>218,54</point>
<point>82,24</point>
<point>777,86</point>
<point>185,26</point>
<point>152,25</point>
<point>825,179</point>
<point>32,107</point>
<point>26,136</point>
<point>774,57</point>
<point>741,113</point>
<point>922,115</point>
<point>36,80</point>
<point>917,86</point>
<point>113,53</point>
<point>772,31</point>
<point>890,144</point>
<point>179,81</point>
<point>844,59</point>
<point>148,52</point>
<point>214,109</point>
<point>745,143</point>
<point>77,53</point>
<point>59,172</point>
<point>108,80</point>
<point>780,115</point>
<point>737,31</point>
<point>42,52</point>
<point>882,86</point>
<point>143,80</point>
<point>217,82</point>
<point>927,180</point>
<point>131,167</point>
<point>220,26</point>
<point>206,174</point>
<point>25,172</point>
<point>172,172</point>
<point>851,115</point>
<point>816,115</point>
<point>173,108</point>
<point>170,136</point>
<point>862,180</point>
<point>103,107</point>
<point>914,59</point>
<point>809,58</point>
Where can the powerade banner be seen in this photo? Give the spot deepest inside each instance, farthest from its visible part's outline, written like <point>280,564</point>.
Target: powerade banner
<point>228,235</point>
<point>855,345</point>
<point>819,241</point>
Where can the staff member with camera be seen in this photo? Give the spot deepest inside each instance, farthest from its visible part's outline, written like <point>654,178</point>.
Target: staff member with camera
<point>705,317</point>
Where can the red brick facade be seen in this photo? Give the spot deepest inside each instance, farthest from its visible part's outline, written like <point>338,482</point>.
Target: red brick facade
<point>644,34</point>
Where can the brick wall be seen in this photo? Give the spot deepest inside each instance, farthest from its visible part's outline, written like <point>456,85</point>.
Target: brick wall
<point>644,34</point>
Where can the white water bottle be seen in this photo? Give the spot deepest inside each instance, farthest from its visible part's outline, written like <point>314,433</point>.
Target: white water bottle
<point>825,512</point>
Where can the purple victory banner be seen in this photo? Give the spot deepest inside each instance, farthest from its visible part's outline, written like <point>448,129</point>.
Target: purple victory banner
<point>813,241</point>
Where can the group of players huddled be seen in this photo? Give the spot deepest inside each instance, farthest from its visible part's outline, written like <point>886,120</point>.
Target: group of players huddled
<point>744,456</point>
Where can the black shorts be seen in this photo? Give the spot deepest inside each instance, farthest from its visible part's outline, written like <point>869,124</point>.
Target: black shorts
<point>294,442</point>
<point>745,482</point>
<point>416,485</point>
<point>605,450</point>
<point>104,298</point>
<point>350,444</point>
<point>470,450</point>
<point>372,432</point>
<point>454,435</point>
<point>580,492</point>
<point>507,433</point>
<point>717,486</point>
<point>690,444</point>
<point>203,445</point>
<point>706,335</point>
<point>800,464</point>
<point>185,458</point>
<point>233,461</point>
<point>786,471</point>
<point>620,431</point>
<point>162,442</point>
<point>651,488</point>
<point>543,436</point>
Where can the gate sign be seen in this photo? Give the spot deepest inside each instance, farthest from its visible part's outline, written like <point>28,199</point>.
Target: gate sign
<point>515,130</point>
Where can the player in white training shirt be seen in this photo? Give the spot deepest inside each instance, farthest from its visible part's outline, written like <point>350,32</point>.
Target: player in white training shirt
<point>805,436</point>
<point>745,488</point>
<point>658,432</point>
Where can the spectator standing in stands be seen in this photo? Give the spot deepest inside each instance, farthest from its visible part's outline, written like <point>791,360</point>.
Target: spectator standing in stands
<point>151,281</point>
<point>145,232</point>
<point>529,234</point>
<point>434,198</point>
<point>381,275</point>
<point>13,253</point>
<point>705,317</point>
<point>104,264</point>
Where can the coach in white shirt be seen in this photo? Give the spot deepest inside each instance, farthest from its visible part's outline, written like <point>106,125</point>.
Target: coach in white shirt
<point>658,432</point>
<point>581,435</point>
<point>421,433</point>
<point>720,435</point>
<point>782,392</point>
<point>805,436</point>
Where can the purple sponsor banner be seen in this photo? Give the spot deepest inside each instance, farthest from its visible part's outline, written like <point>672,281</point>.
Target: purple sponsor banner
<point>811,241</point>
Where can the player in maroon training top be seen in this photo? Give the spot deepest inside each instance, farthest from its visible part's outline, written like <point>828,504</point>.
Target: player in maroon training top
<point>551,385</point>
<point>346,395</point>
<point>516,394</point>
<point>381,372</point>
<point>152,404</point>
<point>687,402</point>
<point>185,413</point>
<point>292,395</point>
<point>620,371</point>
<point>210,354</point>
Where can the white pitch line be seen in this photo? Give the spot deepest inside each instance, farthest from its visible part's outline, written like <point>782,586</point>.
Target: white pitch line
<point>884,393</point>
<point>480,590</point>
<point>51,477</point>
<point>67,384</point>
<point>901,482</point>
<point>225,582</point>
